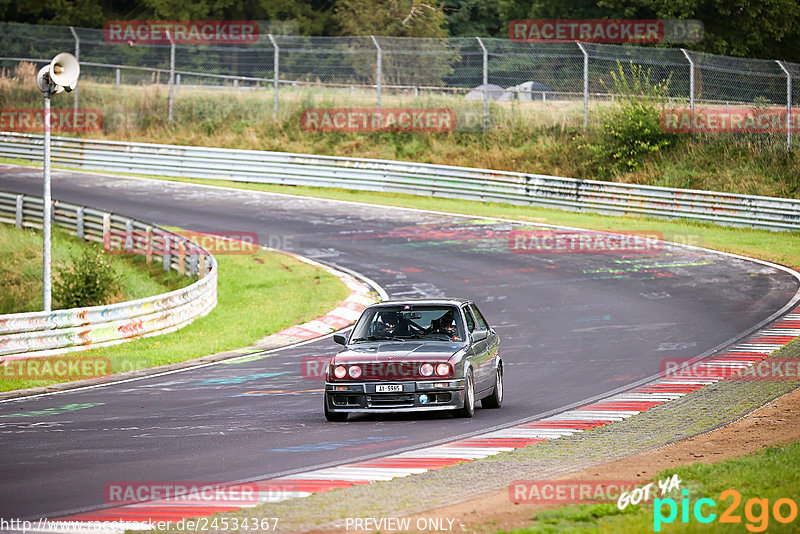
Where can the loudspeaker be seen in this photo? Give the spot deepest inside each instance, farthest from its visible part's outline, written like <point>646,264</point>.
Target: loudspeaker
<point>62,73</point>
<point>64,70</point>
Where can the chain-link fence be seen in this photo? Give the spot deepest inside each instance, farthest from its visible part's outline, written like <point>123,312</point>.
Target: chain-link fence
<point>480,70</point>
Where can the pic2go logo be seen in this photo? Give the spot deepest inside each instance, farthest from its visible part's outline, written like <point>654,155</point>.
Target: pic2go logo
<point>756,511</point>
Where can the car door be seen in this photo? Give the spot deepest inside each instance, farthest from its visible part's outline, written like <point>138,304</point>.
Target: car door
<point>479,349</point>
<point>492,342</point>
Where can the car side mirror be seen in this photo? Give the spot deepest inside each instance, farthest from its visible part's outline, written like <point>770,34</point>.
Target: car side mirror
<point>479,335</point>
<point>340,339</point>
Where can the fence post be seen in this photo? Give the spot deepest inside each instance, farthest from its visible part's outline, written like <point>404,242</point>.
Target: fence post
<point>691,78</point>
<point>80,229</point>
<point>18,212</point>
<point>788,104</point>
<point>116,79</point>
<point>379,69</point>
<point>276,71</point>
<point>585,85</point>
<point>485,83</point>
<point>78,57</point>
<point>171,73</point>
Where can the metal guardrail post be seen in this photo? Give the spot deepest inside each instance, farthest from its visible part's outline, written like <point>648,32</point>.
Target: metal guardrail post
<point>167,257</point>
<point>485,83</point>
<point>148,251</point>
<point>379,69</point>
<point>107,230</point>
<point>788,103</point>
<point>171,73</point>
<point>276,72</point>
<point>585,85</point>
<point>79,223</point>
<point>78,57</point>
<point>18,211</point>
<point>129,235</point>
<point>691,77</point>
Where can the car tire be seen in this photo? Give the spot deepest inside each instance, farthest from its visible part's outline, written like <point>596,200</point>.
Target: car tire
<point>469,397</point>
<point>334,417</point>
<point>495,400</point>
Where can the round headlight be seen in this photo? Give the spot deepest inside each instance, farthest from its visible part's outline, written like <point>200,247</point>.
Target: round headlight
<point>442,369</point>
<point>354,371</point>
<point>340,371</point>
<point>426,369</point>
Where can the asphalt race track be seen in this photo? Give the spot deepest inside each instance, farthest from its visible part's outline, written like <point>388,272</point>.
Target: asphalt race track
<point>572,326</point>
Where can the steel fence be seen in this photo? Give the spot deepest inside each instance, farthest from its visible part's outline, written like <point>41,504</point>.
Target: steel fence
<point>480,69</point>
<point>405,177</point>
<point>37,334</point>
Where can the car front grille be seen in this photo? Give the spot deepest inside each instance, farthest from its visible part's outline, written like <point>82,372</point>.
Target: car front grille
<point>390,401</point>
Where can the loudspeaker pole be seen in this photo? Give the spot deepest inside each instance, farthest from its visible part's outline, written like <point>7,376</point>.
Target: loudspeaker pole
<point>46,209</point>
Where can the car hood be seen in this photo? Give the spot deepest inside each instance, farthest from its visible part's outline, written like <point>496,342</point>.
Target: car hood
<point>412,350</point>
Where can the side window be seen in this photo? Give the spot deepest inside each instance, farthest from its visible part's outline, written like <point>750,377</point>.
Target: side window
<point>482,325</point>
<point>470,320</point>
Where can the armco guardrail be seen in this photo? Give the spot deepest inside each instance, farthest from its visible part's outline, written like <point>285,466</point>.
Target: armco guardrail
<point>26,335</point>
<point>405,177</point>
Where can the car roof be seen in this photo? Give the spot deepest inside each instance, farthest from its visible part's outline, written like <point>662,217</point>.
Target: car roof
<point>424,302</point>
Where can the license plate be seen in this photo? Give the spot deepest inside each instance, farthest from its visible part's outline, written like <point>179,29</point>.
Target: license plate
<point>388,388</point>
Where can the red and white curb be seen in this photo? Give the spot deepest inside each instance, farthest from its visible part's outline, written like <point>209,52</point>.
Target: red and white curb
<point>361,296</point>
<point>621,406</point>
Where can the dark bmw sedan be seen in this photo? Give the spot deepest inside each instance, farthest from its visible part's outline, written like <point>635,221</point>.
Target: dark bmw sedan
<point>415,355</point>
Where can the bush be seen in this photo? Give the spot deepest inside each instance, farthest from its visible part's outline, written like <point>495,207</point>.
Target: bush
<point>88,281</point>
<point>631,129</point>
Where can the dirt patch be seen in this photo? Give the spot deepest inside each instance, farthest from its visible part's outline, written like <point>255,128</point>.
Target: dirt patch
<point>777,422</point>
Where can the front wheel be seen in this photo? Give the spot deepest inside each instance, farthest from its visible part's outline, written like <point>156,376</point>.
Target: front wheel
<point>334,417</point>
<point>495,400</point>
<point>469,397</point>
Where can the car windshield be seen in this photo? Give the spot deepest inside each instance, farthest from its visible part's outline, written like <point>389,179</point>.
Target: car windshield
<point>408,321</point>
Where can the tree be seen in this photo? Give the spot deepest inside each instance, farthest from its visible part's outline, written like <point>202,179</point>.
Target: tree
<point>401,18</point>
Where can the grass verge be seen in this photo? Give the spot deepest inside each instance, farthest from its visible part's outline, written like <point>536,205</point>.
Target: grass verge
<point>21,270</point>
<point>524,136</point>
<point>257,295</point>
<point>761,477</point>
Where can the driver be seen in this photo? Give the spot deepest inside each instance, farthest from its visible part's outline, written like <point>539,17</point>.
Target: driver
<point>446,324</point>
<point>387,324</point>
<point>448,321</point>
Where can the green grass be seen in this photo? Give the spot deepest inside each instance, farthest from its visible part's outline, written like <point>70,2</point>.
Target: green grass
<point>21,270</point>
<point>767,474</point>
<point>257,295</point>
